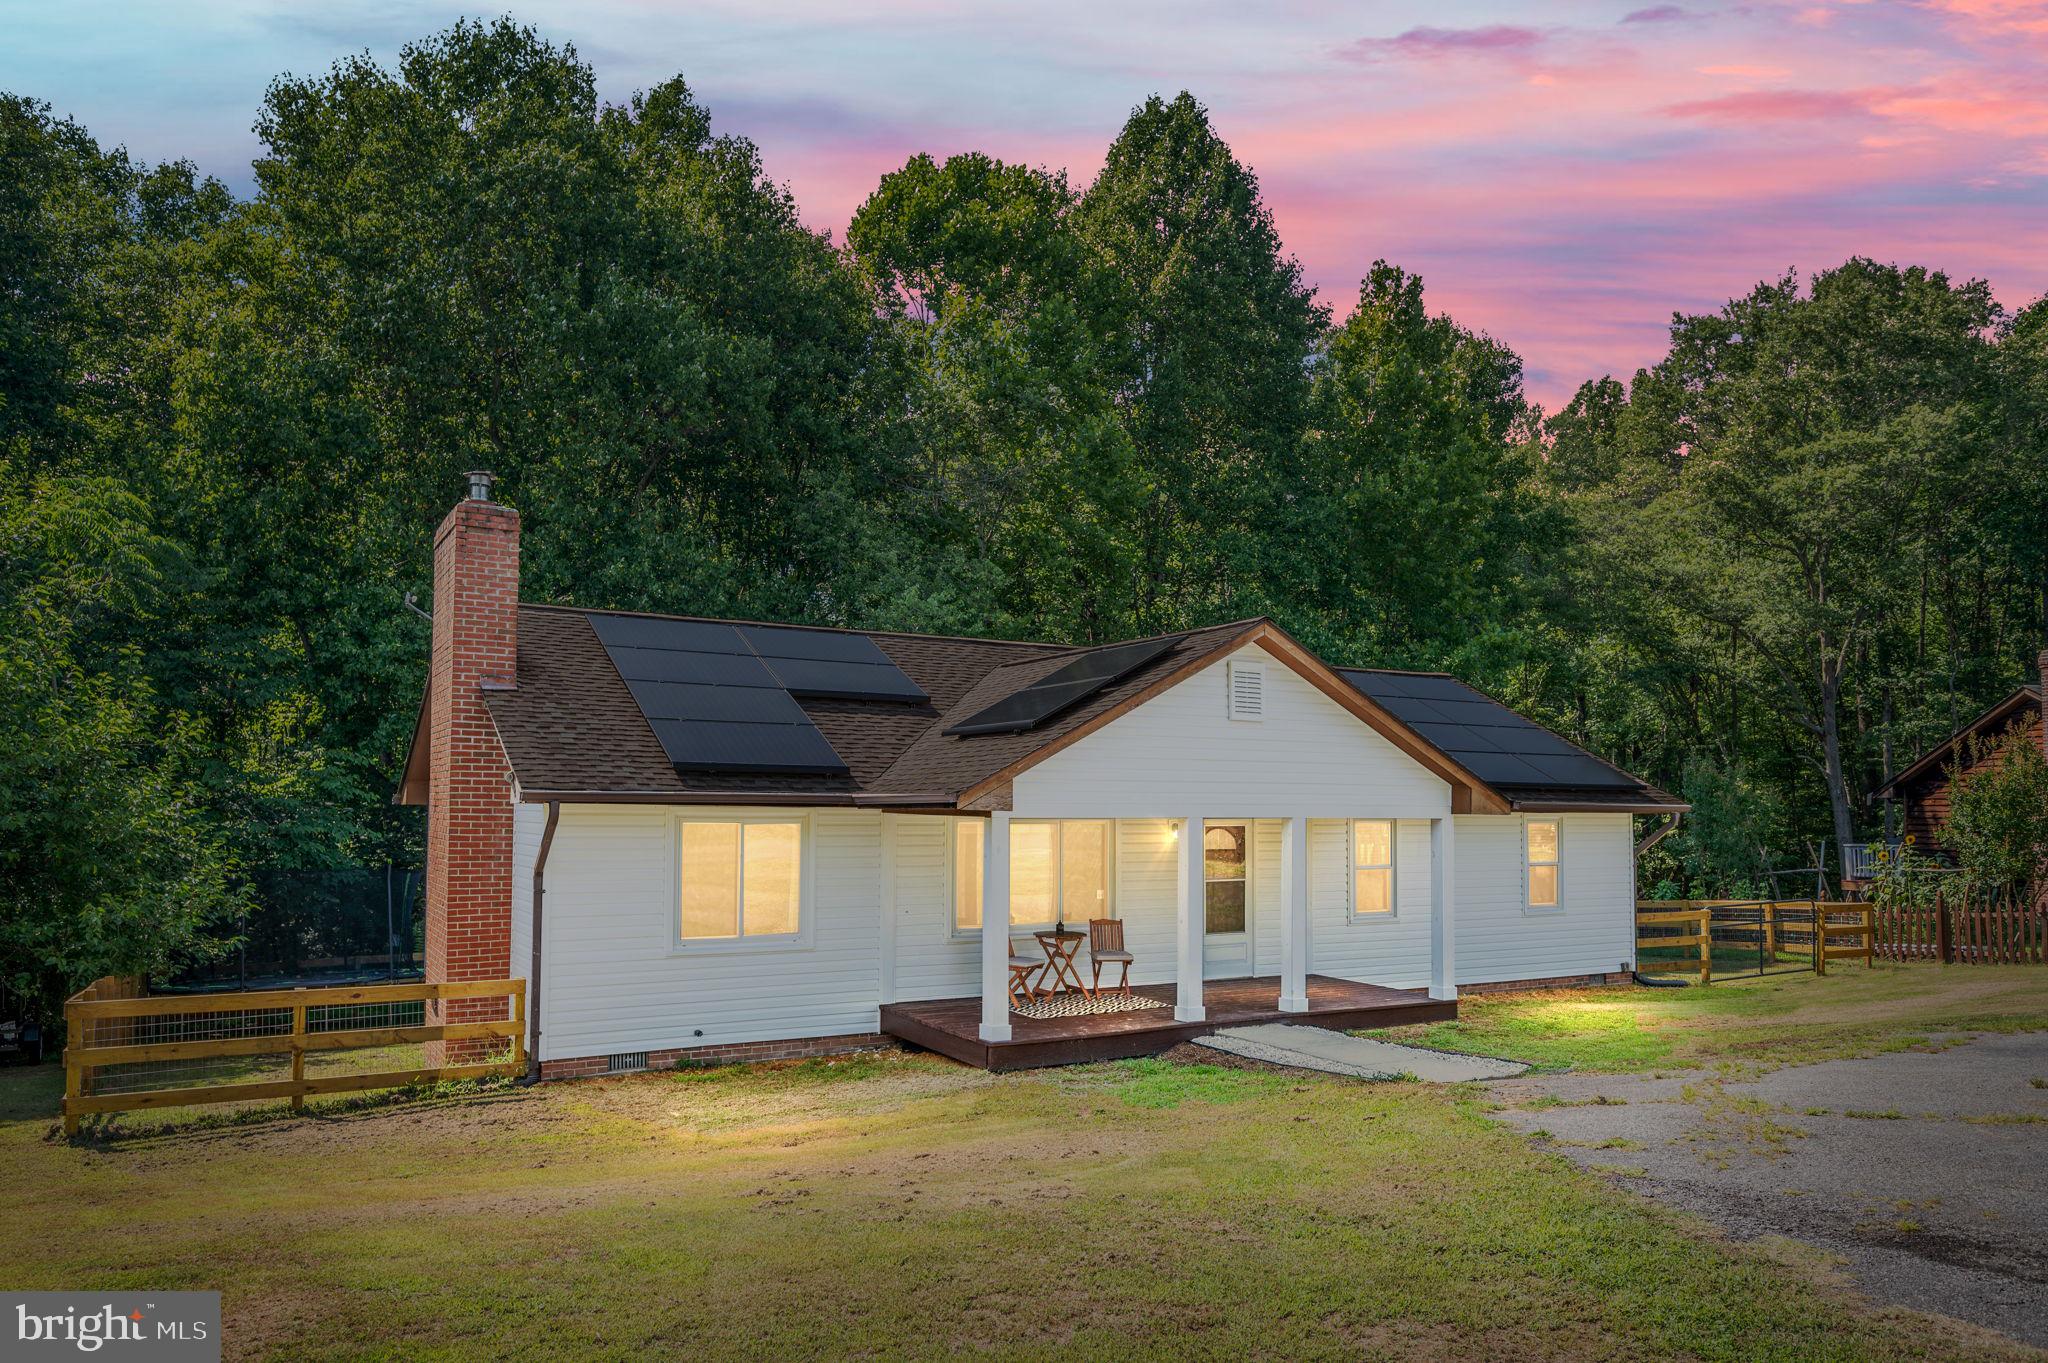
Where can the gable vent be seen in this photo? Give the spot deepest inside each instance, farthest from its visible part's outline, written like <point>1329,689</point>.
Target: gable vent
<point>630,1062</point>
<point>1247,685</point>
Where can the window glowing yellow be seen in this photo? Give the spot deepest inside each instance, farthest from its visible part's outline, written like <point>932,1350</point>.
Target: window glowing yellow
<point>1372,865</point>
<point>769,869</point>
<point>1059,869</point>
<point>1542,849</point>
<point>1034,890</point>
<point>967,845</point>
<point>1084,871</point>
<point>740,879</point>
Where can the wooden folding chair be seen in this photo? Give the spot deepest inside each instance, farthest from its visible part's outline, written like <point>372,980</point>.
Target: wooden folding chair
<point>1022,967</point>
<point>1106,947</point>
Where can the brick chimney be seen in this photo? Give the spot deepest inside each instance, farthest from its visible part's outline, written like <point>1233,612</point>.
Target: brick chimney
<point>469,798</point>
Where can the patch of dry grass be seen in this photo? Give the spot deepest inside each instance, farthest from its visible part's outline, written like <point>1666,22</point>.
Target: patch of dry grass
<point>899,1206</point>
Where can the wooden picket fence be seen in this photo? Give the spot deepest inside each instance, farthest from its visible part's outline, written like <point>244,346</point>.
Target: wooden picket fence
<point>127,1050</point>
<point>1960,928</point>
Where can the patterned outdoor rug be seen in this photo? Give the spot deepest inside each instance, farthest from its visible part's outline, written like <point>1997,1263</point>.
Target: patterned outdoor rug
<point>1079,1006</point>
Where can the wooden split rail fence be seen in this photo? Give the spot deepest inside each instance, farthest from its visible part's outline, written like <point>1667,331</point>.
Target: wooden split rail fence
<point>127,1050</point>
<point>1818,930</point>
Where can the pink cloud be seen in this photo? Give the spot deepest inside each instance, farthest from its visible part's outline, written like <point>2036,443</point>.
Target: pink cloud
<point>2024,16</point>
<point>1774,106</point>
<point>1431,43</point>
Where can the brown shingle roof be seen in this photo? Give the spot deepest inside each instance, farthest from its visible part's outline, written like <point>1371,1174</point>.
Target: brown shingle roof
<point>571,729</point>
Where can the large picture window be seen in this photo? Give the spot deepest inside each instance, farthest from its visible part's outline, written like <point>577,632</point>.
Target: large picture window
<point>1372,867</point>
<point>1543,863</point>
<point>1059,870</point>
<point>740,879</point>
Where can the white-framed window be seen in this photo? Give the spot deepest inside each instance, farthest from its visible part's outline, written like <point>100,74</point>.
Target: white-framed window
<point>1226,875</point>
<point>1543,848</point>
<point>1060,869</point>
<point>740,881</point>
<point>966,841</point>
<point>1372,869</point>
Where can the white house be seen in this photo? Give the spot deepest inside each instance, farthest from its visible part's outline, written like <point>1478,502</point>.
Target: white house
<point>728,839</point>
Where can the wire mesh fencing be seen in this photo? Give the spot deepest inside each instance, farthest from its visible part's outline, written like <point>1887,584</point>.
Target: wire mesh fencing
<point>1738,937</point>
<point>127,1050</point>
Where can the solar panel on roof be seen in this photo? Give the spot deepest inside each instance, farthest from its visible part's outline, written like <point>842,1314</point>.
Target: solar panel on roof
<point>1572,769</point>
<point>704,669</point>
<point>733,704</point>
<point>1502,767</point>
<point>1024,710</point>
<point>1411,708</point>
<point>1486,738</point>
<point>1456,738</point>
<point>1437,688</point>
<point>644,631</point>
<point>830,664</point>
<point>821,644</point>
<point>695,745</point>
<point>1062,688</point>
<point>1483,713</point>
<point>845,681</point>
<point>712,704</point>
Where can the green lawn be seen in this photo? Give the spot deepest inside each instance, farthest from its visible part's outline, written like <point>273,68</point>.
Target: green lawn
<point>1748,1022</point>
<point>903,1207</point>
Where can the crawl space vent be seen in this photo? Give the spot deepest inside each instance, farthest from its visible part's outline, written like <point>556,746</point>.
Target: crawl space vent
<point>631,1062</point>
<point>1247,684</point>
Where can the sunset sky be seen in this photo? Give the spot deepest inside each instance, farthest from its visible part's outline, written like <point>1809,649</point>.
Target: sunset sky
<point>1563,176</point>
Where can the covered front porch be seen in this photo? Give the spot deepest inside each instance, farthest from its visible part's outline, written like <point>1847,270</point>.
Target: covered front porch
<point>952,1027</point>
<point>1219,904</point>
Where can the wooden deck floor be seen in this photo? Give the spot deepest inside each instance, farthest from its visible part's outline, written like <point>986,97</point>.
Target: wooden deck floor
<point>952,1027</point>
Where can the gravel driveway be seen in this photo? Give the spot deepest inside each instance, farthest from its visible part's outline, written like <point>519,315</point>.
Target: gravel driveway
<point>1926,1172</point>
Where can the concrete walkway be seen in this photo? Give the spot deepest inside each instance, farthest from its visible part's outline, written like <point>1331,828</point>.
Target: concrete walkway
<point>1317,1048</point>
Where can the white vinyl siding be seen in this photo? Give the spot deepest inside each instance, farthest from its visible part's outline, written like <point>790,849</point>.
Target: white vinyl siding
<point>932,960</point>
<point>1388,949</point>
<point>528,822</point>
<point>1592,930</point>
<point>614,979</point>
<point>1266,896</point>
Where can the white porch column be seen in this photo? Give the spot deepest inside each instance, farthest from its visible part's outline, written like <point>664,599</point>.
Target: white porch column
<point>1443,898</point>
<point>1294,916</point>
<point>1194,924</point>
<point>995,928</point>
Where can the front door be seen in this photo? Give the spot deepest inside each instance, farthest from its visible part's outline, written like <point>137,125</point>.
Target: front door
<point>1226,873</point>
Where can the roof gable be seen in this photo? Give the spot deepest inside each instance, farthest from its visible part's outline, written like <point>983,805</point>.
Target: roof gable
<point>1931,762</point>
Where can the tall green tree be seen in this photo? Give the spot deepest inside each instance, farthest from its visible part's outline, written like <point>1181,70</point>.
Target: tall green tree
<point>1210,328</point>
<point>108,862</point>
<point>467,260</point>
<point>1419,473</point>
<point>1011,418</point>
<point>1784,497</point>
